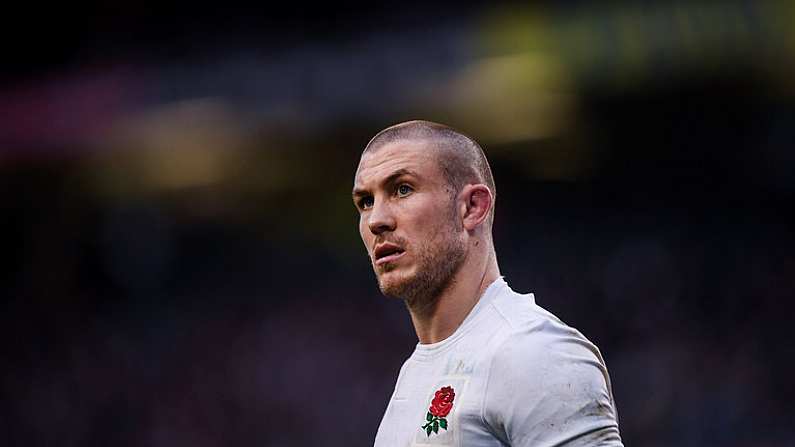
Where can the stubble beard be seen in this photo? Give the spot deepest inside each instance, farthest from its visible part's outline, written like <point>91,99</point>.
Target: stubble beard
<point>437,265</point>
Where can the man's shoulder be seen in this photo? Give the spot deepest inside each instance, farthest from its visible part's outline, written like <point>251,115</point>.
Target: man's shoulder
<point>535,333</point>
<point>547,383</point>
<point>521,314</point>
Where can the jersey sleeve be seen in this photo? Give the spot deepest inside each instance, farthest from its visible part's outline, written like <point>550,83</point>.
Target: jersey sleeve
<point>548,386</point>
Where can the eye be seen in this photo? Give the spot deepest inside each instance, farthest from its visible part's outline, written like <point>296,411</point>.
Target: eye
<point>404,190</point>
<point>365,202</point>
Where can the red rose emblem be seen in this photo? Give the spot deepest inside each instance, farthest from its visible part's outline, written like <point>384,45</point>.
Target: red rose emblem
<point>442,402</point>
<point>440,407</point>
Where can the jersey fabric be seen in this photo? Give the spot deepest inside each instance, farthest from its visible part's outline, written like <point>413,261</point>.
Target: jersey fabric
<point>511,375</point>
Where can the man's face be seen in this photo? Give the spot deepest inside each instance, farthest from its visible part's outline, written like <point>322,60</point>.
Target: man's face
<point>408,220</point>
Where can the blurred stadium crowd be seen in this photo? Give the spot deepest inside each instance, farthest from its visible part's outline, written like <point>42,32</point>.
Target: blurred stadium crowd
<point>182,261</point>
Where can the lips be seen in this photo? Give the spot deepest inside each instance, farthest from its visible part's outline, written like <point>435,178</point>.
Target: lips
<point>387,252</point>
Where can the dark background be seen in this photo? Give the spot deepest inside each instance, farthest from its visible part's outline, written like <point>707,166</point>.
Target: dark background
<point>181,258</point>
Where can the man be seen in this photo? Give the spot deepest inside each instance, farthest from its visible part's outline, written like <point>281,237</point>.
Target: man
<point>491,367</point>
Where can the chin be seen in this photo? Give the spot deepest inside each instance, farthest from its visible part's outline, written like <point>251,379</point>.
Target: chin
<point>394,284</point>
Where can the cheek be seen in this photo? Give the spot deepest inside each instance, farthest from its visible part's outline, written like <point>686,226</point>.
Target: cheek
<point>365,234</point>
<point>431,217</point>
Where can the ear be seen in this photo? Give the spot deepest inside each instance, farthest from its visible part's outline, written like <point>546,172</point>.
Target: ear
<point>478,202</point>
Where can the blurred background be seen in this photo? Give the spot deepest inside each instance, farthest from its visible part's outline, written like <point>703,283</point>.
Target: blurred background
<point>181,263</point>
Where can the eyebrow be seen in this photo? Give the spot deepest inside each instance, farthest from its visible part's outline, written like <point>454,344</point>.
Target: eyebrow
<point>391,179</point>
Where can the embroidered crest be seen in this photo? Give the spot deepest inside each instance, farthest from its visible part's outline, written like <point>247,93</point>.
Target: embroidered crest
<point>440,407</point>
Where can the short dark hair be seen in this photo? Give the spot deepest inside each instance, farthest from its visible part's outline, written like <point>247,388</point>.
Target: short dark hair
<point>461,158</point>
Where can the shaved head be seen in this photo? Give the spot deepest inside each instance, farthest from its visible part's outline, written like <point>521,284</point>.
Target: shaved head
<point>461,158</point>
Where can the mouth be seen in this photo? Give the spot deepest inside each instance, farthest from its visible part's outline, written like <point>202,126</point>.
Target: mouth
<point>386,253</point>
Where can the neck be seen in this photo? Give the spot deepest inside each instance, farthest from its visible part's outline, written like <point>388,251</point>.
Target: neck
<point>448,310</point>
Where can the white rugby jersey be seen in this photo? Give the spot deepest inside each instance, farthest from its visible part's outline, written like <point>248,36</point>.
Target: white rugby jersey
<point>511,375</point>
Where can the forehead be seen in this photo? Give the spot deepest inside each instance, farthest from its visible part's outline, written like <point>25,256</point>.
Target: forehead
<point>417,156</point>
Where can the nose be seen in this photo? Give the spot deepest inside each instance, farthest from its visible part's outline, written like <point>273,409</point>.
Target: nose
<point>381,218</point>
